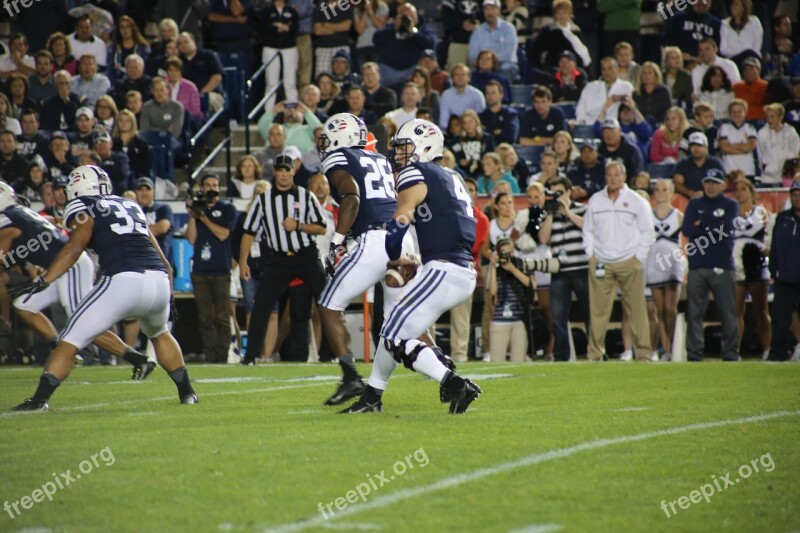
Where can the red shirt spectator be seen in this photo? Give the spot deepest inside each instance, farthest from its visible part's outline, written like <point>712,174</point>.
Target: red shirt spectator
<point>752,89</point>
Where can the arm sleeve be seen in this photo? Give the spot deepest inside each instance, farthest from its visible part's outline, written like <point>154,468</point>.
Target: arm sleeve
<point>313,210</point>
<point>689,218</point>
<point>252,221</point>
<point>646,231</point>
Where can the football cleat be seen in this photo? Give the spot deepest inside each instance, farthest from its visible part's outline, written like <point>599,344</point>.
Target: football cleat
<point>461,399</point>
<point>247,362</point>
<point>190,399</point>
<point>345,391</point>
<point>140,372</point>
<point>32,405</point>
<point>363,407</point>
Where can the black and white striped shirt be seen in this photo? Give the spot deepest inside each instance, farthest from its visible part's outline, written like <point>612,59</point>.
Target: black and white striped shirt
<point>566,241</point>
<point>271,208</point>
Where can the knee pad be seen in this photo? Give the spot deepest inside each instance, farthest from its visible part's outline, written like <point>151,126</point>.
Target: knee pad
<point>405,352</point>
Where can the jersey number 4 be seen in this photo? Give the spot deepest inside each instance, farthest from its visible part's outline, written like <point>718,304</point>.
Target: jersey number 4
<point>132,219</point>
<point>461,194</point>
<point>379,180</point>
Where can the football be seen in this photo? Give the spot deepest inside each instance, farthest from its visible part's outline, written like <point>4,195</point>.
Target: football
<point>398,276</point>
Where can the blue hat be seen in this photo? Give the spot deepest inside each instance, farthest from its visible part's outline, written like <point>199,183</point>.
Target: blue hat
<point>795,186</point>
<point>588,143</point>
<point>715,175</point>
<point>60,182</point>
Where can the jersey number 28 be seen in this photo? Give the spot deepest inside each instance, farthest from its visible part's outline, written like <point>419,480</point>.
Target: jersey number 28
<point>379,180</point>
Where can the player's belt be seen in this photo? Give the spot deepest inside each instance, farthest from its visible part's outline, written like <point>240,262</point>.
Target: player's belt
<point>465,264</point>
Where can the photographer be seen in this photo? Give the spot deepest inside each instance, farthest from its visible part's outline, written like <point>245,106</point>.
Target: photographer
<point>401,46</point>
<point>562,230</point>
<point>528,222</point>
<point>211,221</point>
<point>511,298</point>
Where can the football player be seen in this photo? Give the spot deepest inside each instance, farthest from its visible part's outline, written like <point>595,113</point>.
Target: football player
<point>135,282</point>
<point>362,183</point>
<point>446,278</point>
<point>25,236</point>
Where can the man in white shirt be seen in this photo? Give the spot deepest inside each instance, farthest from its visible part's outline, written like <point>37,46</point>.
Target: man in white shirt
<point>17,58</point>
<point>776,143</point>
<point>617,234</point>
<point>596,93</point>
<point>737,140</point>
<point>707,53</point>
<point>460,97</point>
<point>408,100</point>
<point>85,42</point>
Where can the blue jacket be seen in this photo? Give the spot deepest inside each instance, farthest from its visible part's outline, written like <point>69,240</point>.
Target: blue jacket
<point>711,241</point>
<point>784,252</point>
<point>401,52</point>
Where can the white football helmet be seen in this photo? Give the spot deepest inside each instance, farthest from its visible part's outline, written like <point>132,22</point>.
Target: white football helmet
<point>7,196</point>
<point>418,141</point>
<point>342,130</point>
<point>88,180</point>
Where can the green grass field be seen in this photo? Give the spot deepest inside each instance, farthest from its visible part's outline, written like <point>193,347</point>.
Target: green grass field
<point>546,448</point>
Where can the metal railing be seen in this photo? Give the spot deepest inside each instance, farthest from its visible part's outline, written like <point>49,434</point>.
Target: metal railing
<point>225,143</point>
<point>248,93</point>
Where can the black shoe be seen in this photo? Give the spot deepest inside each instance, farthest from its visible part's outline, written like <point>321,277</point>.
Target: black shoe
<point>190,399</point>
<point>142,371</point>
<point>363,407</point>
<point>345,391</point>
<point>247,362</point>
<point>461,399</point>
<point>694,358</point>
<point>731,359</point>
<point>444,395</point>
<point>32,405</point>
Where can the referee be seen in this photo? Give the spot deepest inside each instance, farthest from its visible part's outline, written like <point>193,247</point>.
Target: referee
<point>289,217</point>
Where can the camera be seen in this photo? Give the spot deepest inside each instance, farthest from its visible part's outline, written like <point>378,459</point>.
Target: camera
<point>201,199</point>
<point>290,105</point>
<point>405,24</point>
<point>505,257</point>
<point>551,203</point>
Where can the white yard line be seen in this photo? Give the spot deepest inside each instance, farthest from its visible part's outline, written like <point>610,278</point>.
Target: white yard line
<point>449,482</point>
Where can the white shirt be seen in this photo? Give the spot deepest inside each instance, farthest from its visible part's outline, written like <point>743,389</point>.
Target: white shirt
<point>774,148</point>
<point>615,231</point>
<point>400,116</point>
<point>7,65</point>
<point>733,42</point>
<point>734,135</point>
<point>95,47</point>
<point>594,96</point>
<point>727,65</point>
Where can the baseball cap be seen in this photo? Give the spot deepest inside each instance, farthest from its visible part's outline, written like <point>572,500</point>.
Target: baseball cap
<point>86,111</point>
<point>145,182</point>
<point>588,143</point>
<point>60,182</point>
<point>103,137</point>
<point>429,53</point>
<point>795,186</point>
<point>293,152</point>
<point>284,161</point>
<point>495,3</point>
<point>698,137</point>
<point>715,175</point>
<point>611,123</point>
<point>568,55</point>
<point>753,62</point>
<point>58,134</point>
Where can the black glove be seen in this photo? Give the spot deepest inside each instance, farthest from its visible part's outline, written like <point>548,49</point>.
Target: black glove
<point>31,288</point>
<point>173,309</point>
<point>336,252</point>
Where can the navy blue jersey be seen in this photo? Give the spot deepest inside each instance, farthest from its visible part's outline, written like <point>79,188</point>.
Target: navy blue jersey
<point>40,240</point>
<point>373,174</point>
<point>120,237</point>
<point>444,221</point>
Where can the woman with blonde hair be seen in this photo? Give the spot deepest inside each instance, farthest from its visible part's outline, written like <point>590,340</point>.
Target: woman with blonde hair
<point>167,31</point>
<point>750,253</point>
<point>564,150</point>
<point>518,168</point>
<point>125,137</point>
<point>652,96</point>
<point>664,273</point>
<point>676,77</point>
<point>473,143</point>
<point>494,172</point>
<point>243,184</point>
<point>106,112</point>
<point>665,147</point>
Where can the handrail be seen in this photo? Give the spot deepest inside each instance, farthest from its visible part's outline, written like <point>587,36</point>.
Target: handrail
<point>250,116</point>
<point>209,158</point>
<point>260,71</point>
<point>206,126</point>
<point>186,17</point>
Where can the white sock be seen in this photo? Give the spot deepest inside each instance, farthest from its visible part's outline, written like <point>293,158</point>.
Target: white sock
<point>382,368</point>
<point>428,364</point>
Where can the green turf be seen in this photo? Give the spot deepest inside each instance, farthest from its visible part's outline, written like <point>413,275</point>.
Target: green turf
<point>264,453</point>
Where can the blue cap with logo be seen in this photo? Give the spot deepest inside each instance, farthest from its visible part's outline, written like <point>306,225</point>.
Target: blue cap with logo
<point>715,175</point>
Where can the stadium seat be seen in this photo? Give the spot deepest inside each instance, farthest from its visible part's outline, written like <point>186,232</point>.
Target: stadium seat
<point>583,131</point>
<point>521,95</point>
<point>529,154</point>
<point>568,108</point>
<point>161,153</point>
<point>661,170</point>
